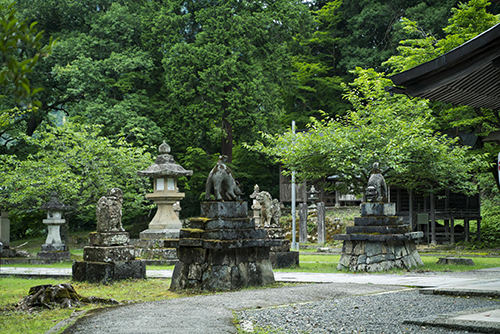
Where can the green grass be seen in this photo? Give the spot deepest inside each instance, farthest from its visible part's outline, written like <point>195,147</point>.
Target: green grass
<point>328,264</point>
<point>127,291</point>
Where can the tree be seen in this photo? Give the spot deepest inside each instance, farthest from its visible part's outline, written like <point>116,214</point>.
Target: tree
<point>468,20</point>
<point>225,69</point>
<point>21,48</point>
<point>76,162</point>
<point>394,131</point>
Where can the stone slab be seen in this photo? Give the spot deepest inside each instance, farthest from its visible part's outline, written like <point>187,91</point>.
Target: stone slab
<point>232,234</point>
<point>108,238</point>
<point>54,248</point>
<point>227,223</point>
<point>455,260</point>
<point>284,259</point>
<point>108,254</point>
<point>379,237</point>
<point>219,209</point>
<point>377,209</point>
<point>402,229</point>
<point>378,221</point>
<point>92,272</point>
<point>159,234</point>
<point>129,269</point>
<point>54,256</point>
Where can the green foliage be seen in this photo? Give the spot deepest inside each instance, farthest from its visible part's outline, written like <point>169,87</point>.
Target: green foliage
<point>395,131</point>
<point>225,68</point>
<point>80,165</point>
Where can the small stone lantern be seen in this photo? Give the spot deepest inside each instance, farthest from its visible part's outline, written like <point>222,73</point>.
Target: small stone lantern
<point>164,172</point>
<point>313,196</point>
<point>54,248</point>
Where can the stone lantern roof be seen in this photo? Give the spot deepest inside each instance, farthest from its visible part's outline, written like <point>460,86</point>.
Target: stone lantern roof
<point>165,165</point>
<point>54,204</point>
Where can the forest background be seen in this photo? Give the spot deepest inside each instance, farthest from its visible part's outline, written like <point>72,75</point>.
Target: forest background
<point>92,89</point>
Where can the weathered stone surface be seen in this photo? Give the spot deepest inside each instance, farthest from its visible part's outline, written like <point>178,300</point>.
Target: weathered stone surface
<point>231,234</point>
<point>233,209</point>
<point>54,248</point>
<point>129,269</point>
<point>109,211</point>
<point>54,255</point>
<point>221,183</point>
<point>284,259</point>
<point>159,234</point>
<point>275,233</point>
<point>223,252</point>
<point>378,209</point>
<point>108,238</point>
<point>379,237</point>
<point>92,272</point>
<point>378,256</point>
<point>108,254</point>
<point>321,223</point>
<point>229,223</point>
<point>402,229</point>
<point>156,253</point>
<point>378,221</point>
<point>456,260</point>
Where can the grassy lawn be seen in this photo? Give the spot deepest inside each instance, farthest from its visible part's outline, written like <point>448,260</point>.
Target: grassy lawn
<point>127,291</point>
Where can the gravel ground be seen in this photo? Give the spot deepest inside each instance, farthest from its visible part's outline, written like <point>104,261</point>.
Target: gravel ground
<point>376,313</point>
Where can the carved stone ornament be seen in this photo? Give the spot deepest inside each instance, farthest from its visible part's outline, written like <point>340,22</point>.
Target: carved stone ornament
<point>109,211</point>
<point>376,191</point>
<point>221,183</point>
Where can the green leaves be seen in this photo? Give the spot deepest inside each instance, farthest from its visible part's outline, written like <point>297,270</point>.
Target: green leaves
<point>394,131</point>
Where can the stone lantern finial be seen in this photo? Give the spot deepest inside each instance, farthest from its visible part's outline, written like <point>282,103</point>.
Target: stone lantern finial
<point>164,148</point>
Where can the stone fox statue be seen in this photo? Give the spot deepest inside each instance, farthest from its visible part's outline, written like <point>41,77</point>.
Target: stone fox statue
<point>221,181</point>
<point>376,191</point>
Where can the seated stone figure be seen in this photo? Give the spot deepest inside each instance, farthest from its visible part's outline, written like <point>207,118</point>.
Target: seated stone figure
<point>376,191</point>
<point>221,183</point>
<point>109,211</point>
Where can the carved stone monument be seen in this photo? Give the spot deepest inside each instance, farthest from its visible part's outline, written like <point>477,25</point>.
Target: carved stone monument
<point>379,240</point>
<point>109,256</point>
<point>159,241</point>
<point>270,214</point>
<point>54,249</point>
<point>222,250</point>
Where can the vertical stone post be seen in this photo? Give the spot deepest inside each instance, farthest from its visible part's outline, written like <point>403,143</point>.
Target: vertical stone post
<point>320,210</point>
<point>303,223</point>
<point>5,229</point>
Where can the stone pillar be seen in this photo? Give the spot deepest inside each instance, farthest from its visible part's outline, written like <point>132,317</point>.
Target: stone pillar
<point>303,223</point>
<point>321,223</point>
<point>5,229</point>
<point>466,229</point>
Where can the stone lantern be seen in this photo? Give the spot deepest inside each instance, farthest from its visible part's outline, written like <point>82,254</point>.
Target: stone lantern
<point>164,172</point>
<point>53,248</point>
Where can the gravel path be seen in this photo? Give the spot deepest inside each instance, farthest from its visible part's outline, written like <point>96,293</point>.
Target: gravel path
<point>313,308</point>
<point>378,313</point>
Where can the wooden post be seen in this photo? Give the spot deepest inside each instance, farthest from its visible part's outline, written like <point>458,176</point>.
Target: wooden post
<point>447,230</point>
<point>466,229</point>
<point>478,233</point>
<point>433,220</point>
<point>452,230</point>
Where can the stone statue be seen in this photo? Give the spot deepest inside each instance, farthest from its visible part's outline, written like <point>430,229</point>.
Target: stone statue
<point>270,209</point>
<point>221,181</point>
<point>109,211</point>
<point>377,189</point>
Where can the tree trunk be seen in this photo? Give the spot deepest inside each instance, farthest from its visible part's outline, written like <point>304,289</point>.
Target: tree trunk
<point>227,139</point>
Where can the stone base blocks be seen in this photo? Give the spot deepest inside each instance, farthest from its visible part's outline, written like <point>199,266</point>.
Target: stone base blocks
<point>108,258</point>
<point>378,241</point>
<point>222,250</point>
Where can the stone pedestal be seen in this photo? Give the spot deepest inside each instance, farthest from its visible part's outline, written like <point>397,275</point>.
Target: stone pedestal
<point>54,249</point>
<point>108,258</point>
<point>5,229</point>
<point>321,212</point>
<point>303,223</point>
<point>222,250</point>
<point>378,241</point>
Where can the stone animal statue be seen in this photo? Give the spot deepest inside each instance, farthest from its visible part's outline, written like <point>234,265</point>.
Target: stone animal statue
<point>270,210</point>
<point>376,191</point>
<point>109,211</point>
<point>221,181</point>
